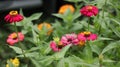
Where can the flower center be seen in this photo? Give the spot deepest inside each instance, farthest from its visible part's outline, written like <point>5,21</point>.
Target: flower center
<point>87,34</point>
<point>13,13</point>
<point>60,45</point>
<point>89,8</point>
<point>14,35</point>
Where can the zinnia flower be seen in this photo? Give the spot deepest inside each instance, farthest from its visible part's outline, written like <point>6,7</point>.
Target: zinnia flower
<point>87,36</point>
<point>69,39</point>
<point>56,46</point>
<point>15,62</point>
<point>47,26</point>
<point>63,8</point>
<point>12,38</point>
<point>89,11</point>
<point>13,16</point>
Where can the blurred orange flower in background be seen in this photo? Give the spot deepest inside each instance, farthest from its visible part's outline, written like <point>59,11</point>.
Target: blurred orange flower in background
<point>63,8</point>
<point>47,26</point>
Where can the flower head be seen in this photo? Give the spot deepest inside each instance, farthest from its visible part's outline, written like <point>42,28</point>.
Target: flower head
<point>87,36</point>
<point>89,11</point>
<point>15,62</point>
<point>69,39</point>
<point>47,26</point>
<point>56,46</point>
<point>63,8</point>
<point>13,16</point>
<point>13,38</point>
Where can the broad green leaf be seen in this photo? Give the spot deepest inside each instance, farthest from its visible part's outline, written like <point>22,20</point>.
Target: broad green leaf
<point>110,46</point>
<point>35,16</point>
<point>62,52</point>
<point>47,50</point>
<point>61,63</point>
<point>108,60</point>
<point>115,31</point>
<point>104,38</point>
<point>117,22</point>
<point>17,49</point>
<point>47,60</point>
<point>36,63</point>
<point>88,53</point>
<point>32,54</point>
<point>10,63</point>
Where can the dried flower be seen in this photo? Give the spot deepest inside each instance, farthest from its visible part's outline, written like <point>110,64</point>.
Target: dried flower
<point>63,8</point>
<point>13,16</point>
<point>15,62</point>
<point>89,11</point>
<point>47,26</point>
<point>13,38</point>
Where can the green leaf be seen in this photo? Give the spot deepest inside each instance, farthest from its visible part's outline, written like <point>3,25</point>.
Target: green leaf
<point>47,50</point>
<point>10,63</point>
<point>103,38</point>
<point>108,60</point>
<point>88,53</point>
<point>47,60</point>
<point>36,63</point>
<point>110,46</point>
<point>62,52</point>
<point>32,54</point>
<point>61,63</point>
<point>117,22</point>
<point>115,31</point>
<point>35,16</point>
<point>17,49</point>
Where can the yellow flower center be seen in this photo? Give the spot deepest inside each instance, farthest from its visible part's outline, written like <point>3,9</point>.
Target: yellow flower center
<point>89,8</point>
<point>81,43</point>
<point>87,33</point>
<point>13,13</point>
<point>14,35</point>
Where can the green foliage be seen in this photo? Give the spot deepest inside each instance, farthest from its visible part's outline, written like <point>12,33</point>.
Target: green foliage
<point>35,50</point>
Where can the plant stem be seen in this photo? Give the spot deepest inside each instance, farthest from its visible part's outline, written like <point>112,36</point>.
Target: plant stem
<point>20,44</point>
<point>103,13</point>
<point>88,23</point>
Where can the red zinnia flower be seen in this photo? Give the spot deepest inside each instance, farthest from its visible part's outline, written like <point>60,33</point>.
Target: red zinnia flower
<point>87,36</point>
<point>13,16</point>
<point>89,11</point>
<point>12,38</point>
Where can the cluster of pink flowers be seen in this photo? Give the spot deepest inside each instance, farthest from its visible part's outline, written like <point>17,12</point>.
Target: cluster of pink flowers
<point>89,11</point>
<point>74,39</point>
<point>14,38</point>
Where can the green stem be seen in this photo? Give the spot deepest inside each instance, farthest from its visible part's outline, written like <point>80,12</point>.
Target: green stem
<point>103,13</point>
<point>88,24</point>
<point>20,44</point>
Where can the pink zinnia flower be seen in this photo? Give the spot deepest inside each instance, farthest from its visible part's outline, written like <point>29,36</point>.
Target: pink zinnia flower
<point>87,36</point>
<point>89,11</point>
<point>12,38</point>
<point>13,16</point>
<point>56,47</point>
<point>69,39</point>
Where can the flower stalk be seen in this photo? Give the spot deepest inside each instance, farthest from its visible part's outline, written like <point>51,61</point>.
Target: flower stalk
<point>20,44</point>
